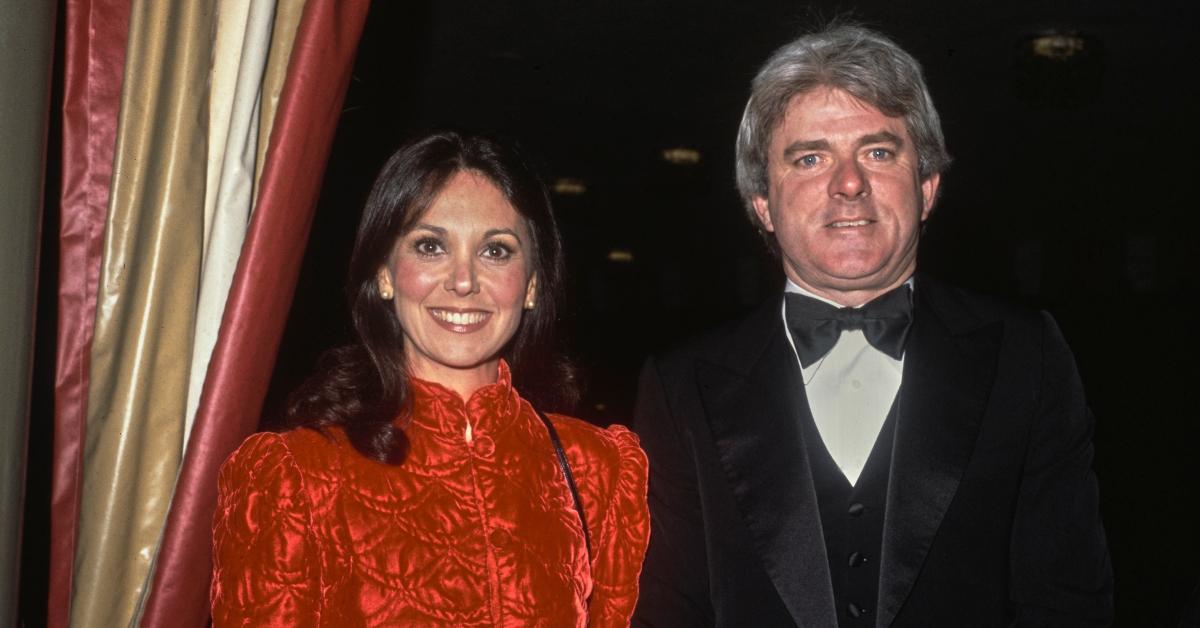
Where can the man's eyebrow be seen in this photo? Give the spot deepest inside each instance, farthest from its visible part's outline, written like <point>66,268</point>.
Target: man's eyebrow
<point>882,137</point>
<point>800,146</point>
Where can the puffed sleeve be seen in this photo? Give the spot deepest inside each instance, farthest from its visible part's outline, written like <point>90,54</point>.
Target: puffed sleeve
<point>266,561</point>
<point>623,536</point>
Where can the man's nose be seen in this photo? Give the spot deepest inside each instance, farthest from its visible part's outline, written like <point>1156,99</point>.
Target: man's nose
<point>462,279</point>
<point>849,181</point>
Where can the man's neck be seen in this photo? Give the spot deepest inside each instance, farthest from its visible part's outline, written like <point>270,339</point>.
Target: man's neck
<point>840,299</point>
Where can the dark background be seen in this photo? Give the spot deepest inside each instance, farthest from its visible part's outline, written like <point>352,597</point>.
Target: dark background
<point>1071,191</point>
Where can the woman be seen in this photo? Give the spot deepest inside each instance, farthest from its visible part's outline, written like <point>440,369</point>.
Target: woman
<point>421,488</point>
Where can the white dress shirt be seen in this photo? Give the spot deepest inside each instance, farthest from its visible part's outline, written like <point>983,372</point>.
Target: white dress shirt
<point>850,392</point>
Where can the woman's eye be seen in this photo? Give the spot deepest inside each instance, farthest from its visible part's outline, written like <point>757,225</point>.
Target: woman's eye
<point>427,246</point>
<point>496,250</point>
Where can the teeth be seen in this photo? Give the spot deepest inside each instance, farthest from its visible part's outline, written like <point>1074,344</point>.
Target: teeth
<point>459,318</point>
<point>851,223</point>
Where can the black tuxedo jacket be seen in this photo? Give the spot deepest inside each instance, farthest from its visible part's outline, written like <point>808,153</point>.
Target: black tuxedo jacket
<point>991,517</point>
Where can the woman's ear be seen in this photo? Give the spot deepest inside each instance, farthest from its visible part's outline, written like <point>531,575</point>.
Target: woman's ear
<point>531,292</point>
<point>383,280</point>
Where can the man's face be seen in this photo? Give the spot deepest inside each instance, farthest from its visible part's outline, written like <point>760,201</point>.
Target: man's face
<point>844,199</point>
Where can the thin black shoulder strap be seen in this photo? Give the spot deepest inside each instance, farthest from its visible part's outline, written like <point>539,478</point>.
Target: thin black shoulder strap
<point>566,471</point>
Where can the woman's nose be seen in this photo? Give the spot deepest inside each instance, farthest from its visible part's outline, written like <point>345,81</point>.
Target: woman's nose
<point>462,280</point>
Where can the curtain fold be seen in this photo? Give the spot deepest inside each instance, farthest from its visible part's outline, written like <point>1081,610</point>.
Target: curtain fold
<point>283,36</point>
<point>257,305</point>
<point>243,38</point>
<point>93,66</point>
<point>146,307</point>
<point>27,33</point>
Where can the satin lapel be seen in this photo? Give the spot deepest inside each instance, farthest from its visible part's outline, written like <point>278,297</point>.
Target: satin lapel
<point>949,366</point>
<point>752,401</point>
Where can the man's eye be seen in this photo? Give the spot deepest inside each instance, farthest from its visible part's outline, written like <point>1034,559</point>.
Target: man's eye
<point>808,161</point>
<point>880,154</point>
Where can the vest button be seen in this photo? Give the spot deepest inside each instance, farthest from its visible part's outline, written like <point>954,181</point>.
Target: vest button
<point>856,509</point>
<point>499,538</point>
<point>855,610</point>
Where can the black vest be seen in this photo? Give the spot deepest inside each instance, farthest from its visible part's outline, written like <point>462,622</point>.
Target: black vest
<point>852,520</point>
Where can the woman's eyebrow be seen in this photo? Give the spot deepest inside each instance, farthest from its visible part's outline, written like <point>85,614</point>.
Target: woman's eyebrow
<point>502,231</point>
<point>429,227</point>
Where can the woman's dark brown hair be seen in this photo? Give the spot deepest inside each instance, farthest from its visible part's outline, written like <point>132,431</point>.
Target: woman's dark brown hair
<point>363,386</point>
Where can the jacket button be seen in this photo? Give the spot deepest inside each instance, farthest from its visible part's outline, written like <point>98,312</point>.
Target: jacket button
<point>856,509</point>
<point>857,559</point>
<point>499,538</point>
<point>484,446</point>
<point>855,610</point>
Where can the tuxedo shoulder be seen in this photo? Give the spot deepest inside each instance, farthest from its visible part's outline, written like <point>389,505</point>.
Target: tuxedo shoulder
<point>962,308</point>
<point>730,342</point>
<point>708,342</point>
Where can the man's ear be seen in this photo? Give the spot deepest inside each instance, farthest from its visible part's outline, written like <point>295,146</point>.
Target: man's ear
<point>763,210</point>
<point>929,188</point>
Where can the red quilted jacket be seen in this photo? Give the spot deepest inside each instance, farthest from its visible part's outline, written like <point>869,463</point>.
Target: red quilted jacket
<point>479,532</point>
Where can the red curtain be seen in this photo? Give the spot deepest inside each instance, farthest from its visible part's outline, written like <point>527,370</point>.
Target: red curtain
<point>96,33</point>
<point>258,303</point>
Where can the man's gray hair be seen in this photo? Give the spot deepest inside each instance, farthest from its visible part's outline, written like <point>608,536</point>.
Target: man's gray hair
<point>860,61</point>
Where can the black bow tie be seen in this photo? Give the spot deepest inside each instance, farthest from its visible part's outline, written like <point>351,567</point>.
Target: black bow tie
<point>816,325</point>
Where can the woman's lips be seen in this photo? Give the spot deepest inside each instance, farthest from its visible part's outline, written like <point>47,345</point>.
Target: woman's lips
<point>459,321</point>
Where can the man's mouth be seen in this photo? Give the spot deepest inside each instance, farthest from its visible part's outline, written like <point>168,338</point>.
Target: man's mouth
<point>842,224</point>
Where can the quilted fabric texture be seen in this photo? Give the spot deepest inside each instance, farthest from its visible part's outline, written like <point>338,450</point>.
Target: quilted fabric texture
<point>479,532</point>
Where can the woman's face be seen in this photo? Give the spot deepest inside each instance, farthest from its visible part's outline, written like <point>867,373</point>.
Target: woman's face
<point>460,279</point>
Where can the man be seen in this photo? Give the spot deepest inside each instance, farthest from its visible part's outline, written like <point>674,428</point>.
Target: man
<point>872,447</point>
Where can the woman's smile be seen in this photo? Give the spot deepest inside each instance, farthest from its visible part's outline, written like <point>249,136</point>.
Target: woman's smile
<point>460,321</point>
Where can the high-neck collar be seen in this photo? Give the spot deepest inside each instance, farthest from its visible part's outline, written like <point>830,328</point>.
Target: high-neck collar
<point>490,408</point>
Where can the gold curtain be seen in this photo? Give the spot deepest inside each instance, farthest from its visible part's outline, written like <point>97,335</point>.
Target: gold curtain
<point>197,102</point>
<point>319,66</point>
<point>145,307</point>
<point>287,20</point>
<point>243,37</point>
